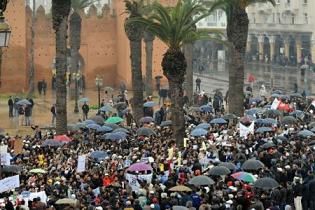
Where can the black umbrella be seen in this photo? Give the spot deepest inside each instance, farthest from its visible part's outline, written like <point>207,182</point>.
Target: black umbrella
<point>228,165</point>
<point>98,120</point>
<point>166,123</point>
<point>201,181</point>
<point>282,138</point>
<point>268,145</point>
<point>219,170</point>
<point>266,183</point>
<point>145,132</point>
<point>289,120</point>
<point>12,169</point>
<point>123,130</point>
<point>252,164</point>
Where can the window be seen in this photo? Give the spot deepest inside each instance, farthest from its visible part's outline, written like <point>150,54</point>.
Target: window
<point>306,18</point>
<point>279,17</point>
<point>292,19</point>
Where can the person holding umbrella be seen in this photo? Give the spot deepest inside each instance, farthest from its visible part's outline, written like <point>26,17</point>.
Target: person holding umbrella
<point>85,110</point>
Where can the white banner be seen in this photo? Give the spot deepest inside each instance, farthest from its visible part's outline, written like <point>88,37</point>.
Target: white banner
<point>5,159</point>
<point>3,149</point>
<point>9,183</point>
<point>28,196</point>
<point>275,104</point>
<point>244,131</point>
<point>81,163</point>
<point>133,180</point>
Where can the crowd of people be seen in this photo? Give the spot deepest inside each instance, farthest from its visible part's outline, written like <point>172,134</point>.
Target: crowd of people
<point>281,149</point>
<point>21,109</point>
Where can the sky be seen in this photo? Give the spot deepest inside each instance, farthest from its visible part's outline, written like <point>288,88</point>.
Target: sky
<point>47,3</point>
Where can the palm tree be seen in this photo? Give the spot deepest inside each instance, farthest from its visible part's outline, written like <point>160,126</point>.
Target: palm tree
<point>60,13</point>
<point>237,31</point>
<point>31,79</point>
<point>175,27</point>
<point>75,37</point>
<point>134,33</point>
<point>148,40</point>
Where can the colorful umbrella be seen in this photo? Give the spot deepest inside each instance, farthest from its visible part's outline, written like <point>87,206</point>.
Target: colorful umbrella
<point>38,171</point>
<point>140,167</point>
<point>198,132</point>
<point>114,120</point>
<point>180,188</point>
<point>244,176</point>
<point>149,104</point>
<point>62,138</point>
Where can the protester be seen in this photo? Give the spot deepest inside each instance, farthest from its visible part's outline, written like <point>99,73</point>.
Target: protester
<point>10,104</point>
<point>85,110</point>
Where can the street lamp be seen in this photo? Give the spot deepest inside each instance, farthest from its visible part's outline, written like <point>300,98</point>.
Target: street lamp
<point>99,84</point>
<point>76,77</point>
<point>5,31</point>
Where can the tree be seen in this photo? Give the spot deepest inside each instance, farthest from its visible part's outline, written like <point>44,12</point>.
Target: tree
<point>75,25</point>
<point>175,27</point>
<point>148,40</point>
<point>237,31</point>
<point>31,79</point>
<point>134,33</point>
<point>60,13</point>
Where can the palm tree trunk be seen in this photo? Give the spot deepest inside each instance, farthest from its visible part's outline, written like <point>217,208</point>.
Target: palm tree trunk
<point>189,80</point>
<point>237,30</point>
<point>148,39</point>
<point>32,65</point>
<point>177,111</point>
<point>137,83</point>
<point>60,12</point>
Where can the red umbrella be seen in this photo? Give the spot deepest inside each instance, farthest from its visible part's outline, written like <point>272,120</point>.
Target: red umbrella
<point>62,138</point>
<point>284,107</point>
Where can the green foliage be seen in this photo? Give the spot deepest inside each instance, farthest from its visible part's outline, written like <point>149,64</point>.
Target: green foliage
<point>81,4</point>
<point>175,26</point>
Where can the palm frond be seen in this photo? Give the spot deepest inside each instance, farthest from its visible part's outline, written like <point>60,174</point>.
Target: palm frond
<point>81,4</point>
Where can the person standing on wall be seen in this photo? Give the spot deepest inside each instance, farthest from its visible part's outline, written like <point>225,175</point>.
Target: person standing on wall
<point>53,112</point>
<point>10,104</point>
<point>85,110</point>
<point>198,84</point>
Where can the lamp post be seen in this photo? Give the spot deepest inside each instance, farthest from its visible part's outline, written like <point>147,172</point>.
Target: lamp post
<point>99,84</point>
<point>5,33</point>
<point>76,77</point>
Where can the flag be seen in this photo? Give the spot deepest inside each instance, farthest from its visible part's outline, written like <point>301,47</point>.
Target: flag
<point>275,104</point>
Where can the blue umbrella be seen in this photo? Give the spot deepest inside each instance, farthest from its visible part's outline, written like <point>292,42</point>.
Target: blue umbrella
<point>99,155</point>
<point>146,119</point>
<point>86,122</point>
<point>122,130</point>
<point>297,113</point>
<point>268,106</point>
<point>149,104</point>
<point>107,108</point>
<point>166,123</point>
<point>275,95</point>
<point>52,143</point>
<point>104,129</point>
<point>253,111</point>
<point>205,108</point>
<point>254,100</point>
<point>93,126</point>
<point>84,100</point>
<point>218,121</point>
<point>198,132</point>
<point>203,125</point>
<point>263,130</point>
<point>80,125</point>
<point>115,136</point>
<point>306,133</point>
<point>270,121</point>
<point>260,121</point>
<point>24,102</point>
<point>145,132</point>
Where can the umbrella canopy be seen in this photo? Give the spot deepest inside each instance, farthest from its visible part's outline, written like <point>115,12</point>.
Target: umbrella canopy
<point>99,155</point>
<point>115,136</point>
<point>297,113</point>
<point>244,176</point>
<point>312,143</point>
<point>66,201</point>
<point>24,102</point>
<point>12,169</point>
<point>201,181</point>
<point>228,165</point>
<point>52,143</point>
<point>229,116</point>
<point>288,120</point>
<point>86,122</point>
<point>205,108</point>
<point>140,167</point>
<point>98,120</point>
<point>180,188</point>
<point>62,138</point>
<point>203,126</point>
<point>38,171</point>
<point>296,95</point>
<point>311,125</point>
<point>122,130</point>
<point>219,170</point>
<point>266,183</point>
<point>146,120</point>
<point>149,104</point>
<point>84,100</point>
<point>252,164</point>
<point>263,130</point>
<point>305,134</point>
<point>107,108</point>
<point>145,132</point>
<point>253,111</point>
<point>218,121</point>
<point>114,120</point>
<point>113,126</point>
<point>277,92</point>
<point>268,145</point>
<point>104,129</point>
<point>93,126</point>
<point>166,123</point>
<point>270,121</point>
<point>198,132</point>
<point>254,100</point>
<point>80,125</point>
<point>272,113</point>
